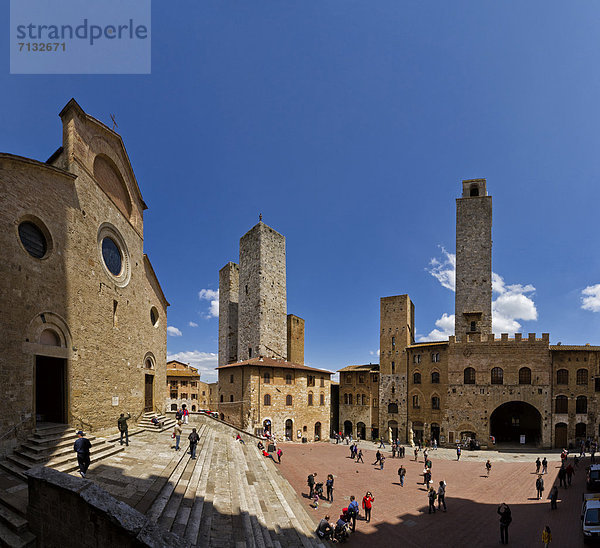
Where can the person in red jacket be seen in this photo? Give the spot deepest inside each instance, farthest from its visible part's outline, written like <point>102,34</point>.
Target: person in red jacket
<point>367,504</point>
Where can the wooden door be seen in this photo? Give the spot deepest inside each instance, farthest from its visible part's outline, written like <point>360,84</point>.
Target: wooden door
<point>148,393</point>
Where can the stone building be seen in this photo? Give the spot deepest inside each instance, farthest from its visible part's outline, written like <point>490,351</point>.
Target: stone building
<point>83,316</point>
<point>477,385</point>
<point>185,387</point>
<point>263,382</point>
<point>359,401</point>
<point>272,395</point>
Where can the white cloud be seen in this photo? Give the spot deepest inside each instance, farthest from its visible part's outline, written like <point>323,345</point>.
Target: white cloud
<point>192,324</point>
<point>445,329</point>
<point>173,331</point>
<point>590,299</point>
<point>213,297</point>
<point>373,352</point>
<point>513,302</point>
<point>444,270</point>
<point>205,362</point>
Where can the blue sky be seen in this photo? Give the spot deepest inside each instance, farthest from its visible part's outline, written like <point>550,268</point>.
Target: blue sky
<point>350,126</point>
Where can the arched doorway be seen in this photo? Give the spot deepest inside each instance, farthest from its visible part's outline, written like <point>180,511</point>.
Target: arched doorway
<point>392,430</point>
<point>374,432</point>
<point>289,430</point>
<point>267,427</point>
<point>435,432</point>
<point>560,435</point>
<point>361,430</point>
<point>418,431</point>
<point>347,428</point>
<point>317,431</point>
<point>514,419</point>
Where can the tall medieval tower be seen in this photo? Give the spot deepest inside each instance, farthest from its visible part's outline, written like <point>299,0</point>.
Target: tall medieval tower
<point>473,298</point>
<point>397,331</point>
<point>229,285</point>
<point>262,313</point>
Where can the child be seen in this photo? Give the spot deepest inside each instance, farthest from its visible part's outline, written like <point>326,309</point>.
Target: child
<point>488,466</point>
<point>316,500</point>
<point>546,536</point>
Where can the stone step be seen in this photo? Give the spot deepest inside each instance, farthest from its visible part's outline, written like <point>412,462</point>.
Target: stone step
<point>15,540</point>
<point>36,458</point>
<point>40,445</point>
<point>13,469</point>
<point>70,465</point>
<point>15,504</point>
<point>12,520</point>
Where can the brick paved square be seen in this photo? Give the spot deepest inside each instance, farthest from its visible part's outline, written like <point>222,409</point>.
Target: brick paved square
<point>400,513</point>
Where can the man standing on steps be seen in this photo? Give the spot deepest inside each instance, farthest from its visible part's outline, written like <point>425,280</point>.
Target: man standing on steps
<point>194,439</point>
<point>122,424</point>
<point>82,447</point>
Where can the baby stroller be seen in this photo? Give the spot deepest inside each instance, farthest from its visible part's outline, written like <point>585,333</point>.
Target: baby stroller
<point>342,529</point>
<point>319,489</point>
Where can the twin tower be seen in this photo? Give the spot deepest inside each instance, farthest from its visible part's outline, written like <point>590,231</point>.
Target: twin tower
<point>253,319</point>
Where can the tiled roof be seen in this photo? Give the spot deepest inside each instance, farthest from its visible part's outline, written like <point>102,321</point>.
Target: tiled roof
<point>432,343</point>
<point>179,373</point>
<point>367,367</point>
<point>273,362</point>
<point>581,348</point>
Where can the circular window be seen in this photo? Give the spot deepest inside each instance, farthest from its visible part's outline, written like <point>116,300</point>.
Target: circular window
<point>33,239</point>
<point>154,316</point>
<point>112,256</point>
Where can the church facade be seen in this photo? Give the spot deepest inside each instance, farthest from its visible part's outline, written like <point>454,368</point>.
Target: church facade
<point>83,315</point>
<point>513,389</point>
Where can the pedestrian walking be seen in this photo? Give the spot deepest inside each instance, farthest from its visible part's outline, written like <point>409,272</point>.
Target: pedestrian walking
<point>434,444</point>
<point>177,435</point>
<point>352,451</point>
<point>194,438</point>
<point>123,428</point>
<point>505,521</point>
<point>441,495</point>
<point>359,458</point>
<point>185,413</point>
<point>311,484</point>
<point>431,496</point>
<point>562,476</point>
<point>582,450</point>
<point>367,504</point>
<point>426,477</point>
<point>488,467</point>
<point>393,450</point>
<point>377,457</point>
<point>425,453</point>
<point>82,447</point>
<point>381,461</point>
<point>401,475</point>
<point>544,466</point>
<point>279,453</point>
<point>539,486</point>
<point>546,536</point>
<point>381,444</point>
<point>416,453</point>
<point>570,472</point>
<point>553,498</point>
<point>353,511</point>
<point>458,452</point>
<point>329,486</point>
<point>538,465</point>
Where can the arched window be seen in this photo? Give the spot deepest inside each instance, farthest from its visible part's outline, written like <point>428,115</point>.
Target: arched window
<point>393,408</point>
<point>231,398</point>
<point>435,402</point>
<point>582,376</point>
<point>561,404</point>
<point>349,399</point>
<point>267,399</point>
<point>580,430</point>
<point>173,407</point>
<point>221,398</point>
<point>393,389</point>
<point>288,399</point>
<point>193,408</point>
<point>562,376</point>
<point>469,375</point>
<point>435,357</point>
<point>524,375</point>
<point>357,399</point>
<point>267,377</point>
<point>415,401</point>
<point>497,375</point>
<point>364,399</point>
<point>288,379</point>
<point>435,378</point>
<point>345,399</point>
<point>322,399</point>
<point>581,404</point>
<point>310,398</point>
<point>474,190</point>
<point>416,378</point>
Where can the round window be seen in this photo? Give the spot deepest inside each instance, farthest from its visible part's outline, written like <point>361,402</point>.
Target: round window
<point>112,256</point>
<point>33,239</point>
<point>154,316</point>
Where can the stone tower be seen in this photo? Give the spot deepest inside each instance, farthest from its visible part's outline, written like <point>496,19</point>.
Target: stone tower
<point>397,329</point>
<point>295,339</point>
<point>262,312</point>
<point>473,298</point>
<point>229,283</point>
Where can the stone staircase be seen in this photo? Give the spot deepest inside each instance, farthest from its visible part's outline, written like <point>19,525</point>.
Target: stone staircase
<point>230,496</point>
<point>14,529</point>
<point>166,422</point>
<point>52,445</point>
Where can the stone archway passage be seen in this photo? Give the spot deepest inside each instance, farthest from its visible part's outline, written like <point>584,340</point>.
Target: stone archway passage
<point>560,436</point>
<point>361,431</point>
<point>514,419</point>
<point>289,430</point>
<point>347,428</point>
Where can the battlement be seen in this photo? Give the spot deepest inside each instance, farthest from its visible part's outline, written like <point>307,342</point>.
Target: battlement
<point>491,338</point>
